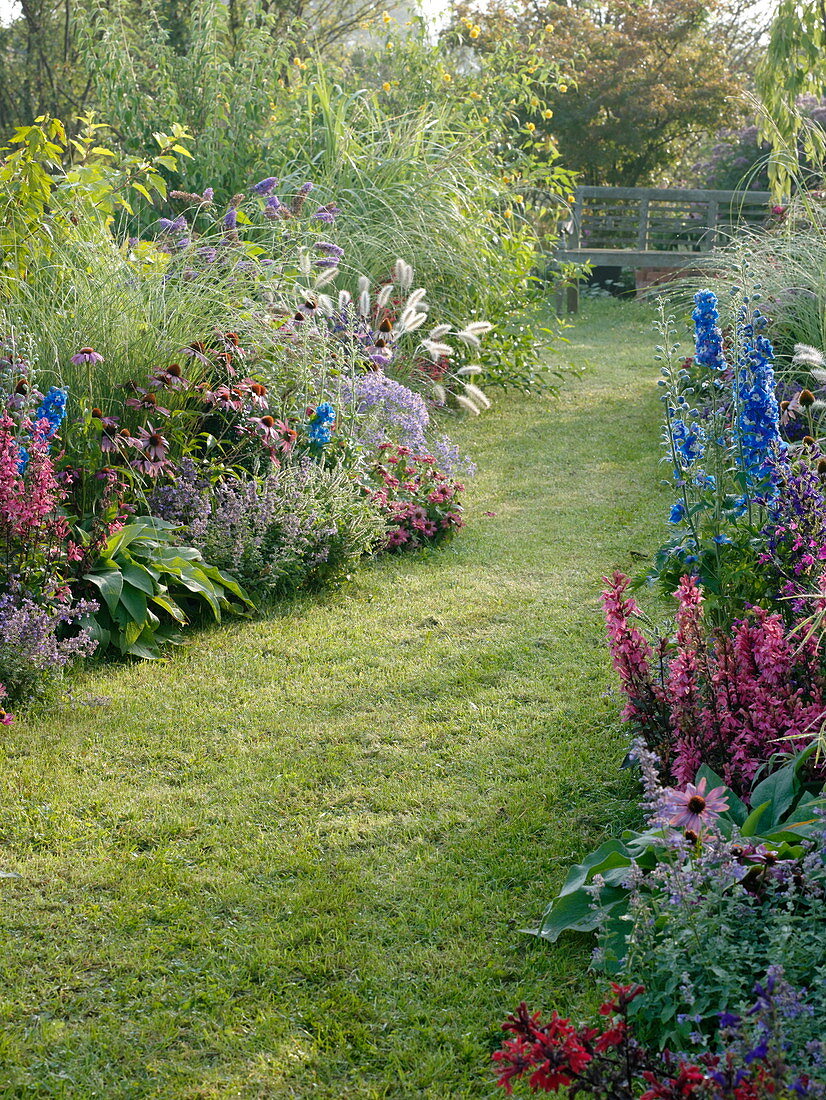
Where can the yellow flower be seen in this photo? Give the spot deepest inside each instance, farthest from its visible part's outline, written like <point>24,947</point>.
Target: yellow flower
<point>520,198</point>
<point>386,86</point>
<point>484,118</point>
<point>534,102</point>
<point>386,17</point>
<point>548,113</point>
<point>549,28</point>
<point>446,77</point>
<point>563,88</point>
<point>506,179</point>
<point>475,95</point>
<point>507,213</point>
<point>530,126</point>
<point>475,32</point>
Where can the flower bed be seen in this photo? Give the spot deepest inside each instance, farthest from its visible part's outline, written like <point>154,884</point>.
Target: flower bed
<point>712,917</point>
<point>264,436</point>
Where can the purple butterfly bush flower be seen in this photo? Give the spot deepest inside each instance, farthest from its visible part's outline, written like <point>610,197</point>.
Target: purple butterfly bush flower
<point>265,186</point>
<point>327,213</point>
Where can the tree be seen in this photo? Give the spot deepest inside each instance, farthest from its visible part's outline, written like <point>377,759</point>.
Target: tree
<point>794,66</point>
<point>644,85</point>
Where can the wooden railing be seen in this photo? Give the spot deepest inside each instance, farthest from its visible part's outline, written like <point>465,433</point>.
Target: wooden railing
<point>653,227</point>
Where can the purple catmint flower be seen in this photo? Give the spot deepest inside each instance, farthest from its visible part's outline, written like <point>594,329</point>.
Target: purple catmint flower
<point>231,219</point>
<point>208,195</point>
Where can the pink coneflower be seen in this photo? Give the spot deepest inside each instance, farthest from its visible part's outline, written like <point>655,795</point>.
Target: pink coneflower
<point>171,378</point>
<point>86,355</point>
<point>224,398</point>
<point>694,807</point>
<point>146,400</point>
<point>397,537</point>
<point>6,719</point>
<point>154,446</point>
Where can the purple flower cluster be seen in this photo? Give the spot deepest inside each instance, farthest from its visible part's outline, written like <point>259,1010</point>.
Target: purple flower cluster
<point>37,643</point>
<point>387,410</point>
<point>796,532</point>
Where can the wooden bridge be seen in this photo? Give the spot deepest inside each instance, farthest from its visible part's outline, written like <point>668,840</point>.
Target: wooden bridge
<point>657,229</point>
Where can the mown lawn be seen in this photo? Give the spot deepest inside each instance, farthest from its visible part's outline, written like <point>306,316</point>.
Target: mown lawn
<point>294,860</point>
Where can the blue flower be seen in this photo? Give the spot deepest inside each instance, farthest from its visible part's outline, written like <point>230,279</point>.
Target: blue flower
<point>319,429</point>
<point>758,423</point>
<point>52,409</point>
<point>708,339</point>
<point>677,513</point>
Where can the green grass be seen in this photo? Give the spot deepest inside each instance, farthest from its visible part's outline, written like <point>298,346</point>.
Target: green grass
<point>295,859</point>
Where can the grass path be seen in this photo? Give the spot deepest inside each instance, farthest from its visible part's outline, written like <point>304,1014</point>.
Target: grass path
<point>293,861</point>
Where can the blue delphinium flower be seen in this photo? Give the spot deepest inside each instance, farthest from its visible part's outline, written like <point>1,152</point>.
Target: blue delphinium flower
<point>677,513</point>
<point>758,421</point>
<point>319,428</point>
<point>52,409</point>
<point>708,339</point>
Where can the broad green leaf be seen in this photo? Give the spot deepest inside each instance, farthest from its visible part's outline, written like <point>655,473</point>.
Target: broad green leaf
<point>109,584</point>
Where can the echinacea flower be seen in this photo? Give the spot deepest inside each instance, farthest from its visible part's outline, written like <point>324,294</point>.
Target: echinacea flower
<point>694,807</point>
<point>6,719</point>
<point>86,355</point>
<point>152,443</point>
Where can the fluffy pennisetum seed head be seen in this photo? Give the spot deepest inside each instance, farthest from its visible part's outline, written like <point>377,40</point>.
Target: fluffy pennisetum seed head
<point>819,375</point>
<point>466,404</point>
<point>470,370</point>
<point>345,299</point>
<point>364,284</point>
<point>304,262</point>
<point>416,297</point>
<point>439,331</point>
<point>806,355</point>
<point>383,296</point>
<point>435,350</point>
<point>364,303</point>
<point>478,328</point>
<point>806,398</point>
<point>439,394</point>
<point>479,397</point>
<point>326,276</point>
<point>469,338</point>
<point>325,304</point>
<point>403,275</point>
<point>414,321</point>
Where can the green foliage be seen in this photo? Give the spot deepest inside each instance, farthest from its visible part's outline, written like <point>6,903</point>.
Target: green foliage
<point>149,587</point>
<point>57,192</point>
<point>793,64</point>
<point>782,817</point>
<point>643,83</point>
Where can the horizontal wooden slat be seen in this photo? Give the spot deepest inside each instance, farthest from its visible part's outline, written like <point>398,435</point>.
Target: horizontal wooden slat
<point>670,194</point>
<point>620,257</point>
